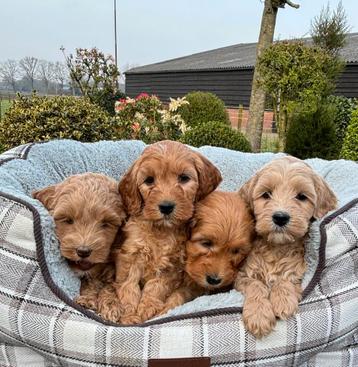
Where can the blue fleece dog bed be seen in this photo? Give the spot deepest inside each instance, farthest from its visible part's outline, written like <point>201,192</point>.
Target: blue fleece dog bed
<point>38,288</point>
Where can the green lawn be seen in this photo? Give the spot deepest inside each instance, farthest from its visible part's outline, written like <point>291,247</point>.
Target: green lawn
<point>5,104</point>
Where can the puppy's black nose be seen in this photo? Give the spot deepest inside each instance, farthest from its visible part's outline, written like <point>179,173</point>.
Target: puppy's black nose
<point>166,207</point>
<point>213,279</point>
<point>281,218</point>
<point>83,251</point>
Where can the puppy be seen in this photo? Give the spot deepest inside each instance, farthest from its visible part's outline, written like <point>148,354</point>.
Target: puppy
<point>222,236</point>
<point>88,212</point>
<point>285,197</point>
<point>159,192</point>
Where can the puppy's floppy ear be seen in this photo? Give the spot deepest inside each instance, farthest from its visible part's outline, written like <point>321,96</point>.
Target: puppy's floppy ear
<point>246,191</point>
<point>47,196</point>
<point>326,199</point>
<point>209,176</point>
<point>128,189</point>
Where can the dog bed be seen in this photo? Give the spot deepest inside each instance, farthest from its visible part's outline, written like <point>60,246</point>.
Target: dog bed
<point>40,325</point>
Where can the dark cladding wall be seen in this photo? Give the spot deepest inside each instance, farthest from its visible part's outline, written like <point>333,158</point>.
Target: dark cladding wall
<point>347,84</point>
<point>232,86</point>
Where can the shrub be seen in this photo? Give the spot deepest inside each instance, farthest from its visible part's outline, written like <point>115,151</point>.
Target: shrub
<point>216,133</point>
<point>41,118</point>
<point>107,99</point>
<point>145,118</point>
<point>350,143</point>
<point>203,107</point>
<point>95,75</point>
<point>312,133</point>
<point>345,106</point>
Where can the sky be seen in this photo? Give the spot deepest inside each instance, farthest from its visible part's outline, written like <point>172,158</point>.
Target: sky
<point>148,31</point>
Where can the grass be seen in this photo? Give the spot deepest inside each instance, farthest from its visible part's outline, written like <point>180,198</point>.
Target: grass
<point>4,105</point>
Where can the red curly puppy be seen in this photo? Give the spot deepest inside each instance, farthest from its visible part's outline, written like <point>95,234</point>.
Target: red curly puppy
<point>222,236</point>
<point>159,192</point>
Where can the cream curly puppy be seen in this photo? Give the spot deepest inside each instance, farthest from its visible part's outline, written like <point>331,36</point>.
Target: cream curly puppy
<point>285,196</point>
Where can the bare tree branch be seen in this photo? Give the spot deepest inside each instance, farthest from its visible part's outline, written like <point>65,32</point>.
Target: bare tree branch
<point>9,72</point>
<point>29,66</point>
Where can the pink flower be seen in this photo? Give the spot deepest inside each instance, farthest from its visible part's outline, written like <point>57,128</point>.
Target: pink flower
<point>136,126</point>
<point>142,95</point>
<point>119,106</point>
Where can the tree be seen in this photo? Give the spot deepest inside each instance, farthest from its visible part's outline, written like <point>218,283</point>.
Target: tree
<point>329,29</point>
<point>29,66</point>
<point>60,75</point>
<point>46,72</point>
<point>9,71</point>
<point>294,73</point>
<point>95,75</point>
<point>257,100</point>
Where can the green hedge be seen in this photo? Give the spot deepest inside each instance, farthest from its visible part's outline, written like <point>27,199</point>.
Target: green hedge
<point>313,134</point>
<point>203,107</point>
<point>344,106</point>
<point>42,118</point>
<point>350,143</point>
<point>216,133</point>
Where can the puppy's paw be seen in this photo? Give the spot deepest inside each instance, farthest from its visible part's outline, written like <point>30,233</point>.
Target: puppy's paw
<point>130,320</point>
<point>109,306</point>
<point>284,303</point>
<point>89,302</point>
<point>147,311</point>
<point>259,319</point>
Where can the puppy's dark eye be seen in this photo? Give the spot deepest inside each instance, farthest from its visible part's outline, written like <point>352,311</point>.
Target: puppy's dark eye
<point>235,251</point>
<point>301,197</point>
<point>68,221</point>
<point>183,178</point>
<point>207,243</point>
<point>105,225</point>
<point>266,195</point>
<point>149,180</point>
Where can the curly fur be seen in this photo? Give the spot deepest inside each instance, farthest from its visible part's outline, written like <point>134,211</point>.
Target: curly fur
<point>271,275</point>
<point>88,212</point>
<point>150,263</point>
<point>222,236</point>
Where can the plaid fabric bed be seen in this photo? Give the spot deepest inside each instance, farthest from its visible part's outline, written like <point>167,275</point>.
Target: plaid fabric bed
<point>37,327</point>
<point>19,152</point>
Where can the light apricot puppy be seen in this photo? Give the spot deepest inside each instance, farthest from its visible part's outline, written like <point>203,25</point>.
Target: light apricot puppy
<point>222,236</point>
<point>88,212</point>
<point>159,192</point>
<point>285,196</point>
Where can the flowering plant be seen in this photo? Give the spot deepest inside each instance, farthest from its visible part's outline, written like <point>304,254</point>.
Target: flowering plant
<point>146,118</point>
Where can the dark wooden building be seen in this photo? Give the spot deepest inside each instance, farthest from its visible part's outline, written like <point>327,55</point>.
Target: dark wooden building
<point>226,71</point>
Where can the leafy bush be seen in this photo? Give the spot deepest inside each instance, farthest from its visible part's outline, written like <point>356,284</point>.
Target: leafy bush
<point>203,107</point>
<point>95,75</point>
<point>294,72</point>
<point>350,143</point>
<point>313,134</point>
<point>145,118</point>
<point>107,99</point>
<point>345,106</point>
<point>41,118</point>
<point>216,133</point>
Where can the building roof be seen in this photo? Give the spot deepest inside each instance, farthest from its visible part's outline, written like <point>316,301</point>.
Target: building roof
<point>240,56</point>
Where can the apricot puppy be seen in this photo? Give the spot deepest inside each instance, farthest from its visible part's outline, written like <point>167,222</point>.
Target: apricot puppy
<point>285,196</point>
<point>88,213</point>
<point>221,238</point>
<point>159,192</point>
